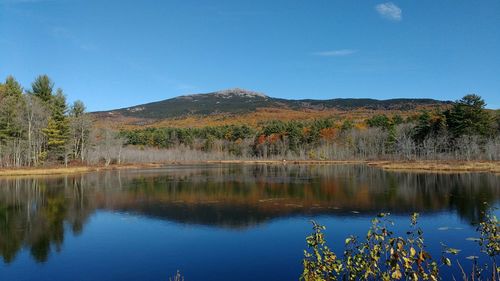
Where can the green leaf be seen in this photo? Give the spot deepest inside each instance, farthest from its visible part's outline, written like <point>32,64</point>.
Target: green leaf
<point>452,251</point>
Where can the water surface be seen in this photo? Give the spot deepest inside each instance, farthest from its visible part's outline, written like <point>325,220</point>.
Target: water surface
<point>219,222</point>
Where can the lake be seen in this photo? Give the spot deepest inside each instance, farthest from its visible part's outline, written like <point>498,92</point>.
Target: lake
<point>220,222</point>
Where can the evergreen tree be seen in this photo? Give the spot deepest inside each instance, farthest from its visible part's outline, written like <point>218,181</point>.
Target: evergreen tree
<point>391,138</point>
<point>11,88</point>
<point>397,119</point>
<point>55,139</point>
<point>429,125</point>
<point>57,130</point>
<point>379,121</point>
<point>497,122</point>
<point>42,88</point>
<point>423,127</point>
<point>59,109</point>
<point>10,105</point>
<point>77,109</point>
<point>346,126</point>
<point>468,117</point>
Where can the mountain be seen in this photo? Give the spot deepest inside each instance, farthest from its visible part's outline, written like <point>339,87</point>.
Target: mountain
<point>239,101</point>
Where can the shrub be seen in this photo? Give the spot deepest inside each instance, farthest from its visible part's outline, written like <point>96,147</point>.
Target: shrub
<point>384,256</point>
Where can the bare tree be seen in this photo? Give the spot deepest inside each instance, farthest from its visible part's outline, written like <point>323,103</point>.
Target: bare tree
<point>492,149</point>
<point>107,147</point>
<point>405,145</point>
<point>34,119</point>
<point>80,125</point>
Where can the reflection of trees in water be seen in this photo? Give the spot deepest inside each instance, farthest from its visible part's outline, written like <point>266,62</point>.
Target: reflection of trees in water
<point>35,213</point>
<point>267,192</point>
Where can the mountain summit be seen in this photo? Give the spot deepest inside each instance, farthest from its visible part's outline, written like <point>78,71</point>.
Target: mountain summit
<point>230,93</point>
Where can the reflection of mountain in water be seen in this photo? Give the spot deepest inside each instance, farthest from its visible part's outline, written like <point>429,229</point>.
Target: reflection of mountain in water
<point>35,213</point>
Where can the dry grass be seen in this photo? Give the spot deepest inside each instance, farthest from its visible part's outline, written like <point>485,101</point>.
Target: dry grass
<point>45,171</point>
<point>70,170</point>
<point>440,166</point>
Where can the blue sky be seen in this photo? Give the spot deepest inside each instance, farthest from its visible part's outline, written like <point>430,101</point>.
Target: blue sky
<point>117,53</point>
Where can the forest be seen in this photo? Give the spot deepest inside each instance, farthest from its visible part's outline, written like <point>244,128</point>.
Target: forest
<point>39,128</point>
<point>463,131</point>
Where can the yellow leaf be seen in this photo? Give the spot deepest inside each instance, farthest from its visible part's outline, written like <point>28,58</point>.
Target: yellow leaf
<point>396,275</point>
<point>412,252</point>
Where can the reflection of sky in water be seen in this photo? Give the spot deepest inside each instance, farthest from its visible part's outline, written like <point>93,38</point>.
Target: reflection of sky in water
<point>116,246</point>
<point>132,226</point>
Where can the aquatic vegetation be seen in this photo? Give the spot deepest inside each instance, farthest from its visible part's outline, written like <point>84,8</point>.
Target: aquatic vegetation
<point>176,277</point>
<point>384,256</point>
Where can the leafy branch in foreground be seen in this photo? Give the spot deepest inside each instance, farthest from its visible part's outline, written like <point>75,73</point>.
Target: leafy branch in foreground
<point>384,256</point>
<point>489,242</point>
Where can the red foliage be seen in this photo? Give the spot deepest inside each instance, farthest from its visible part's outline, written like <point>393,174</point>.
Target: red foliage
<point>261,139</point>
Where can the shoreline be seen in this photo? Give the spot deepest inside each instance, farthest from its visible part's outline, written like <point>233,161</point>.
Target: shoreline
<point>426,166</point>
<point>439,166</point>
<point>62,170</point>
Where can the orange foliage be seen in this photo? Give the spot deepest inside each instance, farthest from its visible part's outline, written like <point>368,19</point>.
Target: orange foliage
<point>360,125</point>
<point>273,138</point>
<point>252,119</point>
<point>328,134</point>
<point>306,131</point>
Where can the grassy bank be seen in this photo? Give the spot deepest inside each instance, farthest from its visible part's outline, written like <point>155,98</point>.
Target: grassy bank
<point>417,166</point>
<point>62,170</point>
<point>440,166</point>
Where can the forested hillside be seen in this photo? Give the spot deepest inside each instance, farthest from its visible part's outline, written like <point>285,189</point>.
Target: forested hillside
<point>235,106</point>
<point>38,128</point>
<point>466,131</point>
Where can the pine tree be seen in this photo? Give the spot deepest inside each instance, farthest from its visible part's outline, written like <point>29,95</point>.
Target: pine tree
<point>10,103</point>
<point>57,130</point>
<point>55,139</point>
<point>12,88</point>
<point>468,117</point>
<point>379,121</point>
<point>42,88</point>
<point>429,125</point>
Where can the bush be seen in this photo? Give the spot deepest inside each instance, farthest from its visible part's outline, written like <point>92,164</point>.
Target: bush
<point>382,256</point>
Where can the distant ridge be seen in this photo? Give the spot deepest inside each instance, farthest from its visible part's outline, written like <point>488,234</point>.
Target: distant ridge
<point>238,101</point>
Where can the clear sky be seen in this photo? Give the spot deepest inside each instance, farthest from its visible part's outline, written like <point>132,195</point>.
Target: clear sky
<point>117,53</point>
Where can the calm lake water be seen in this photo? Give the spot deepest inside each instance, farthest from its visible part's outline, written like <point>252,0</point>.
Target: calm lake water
<point>213,222</point>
